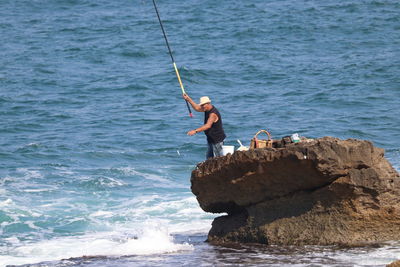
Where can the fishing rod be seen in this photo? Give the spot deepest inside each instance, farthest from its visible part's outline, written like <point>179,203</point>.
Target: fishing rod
<point>172,58</point>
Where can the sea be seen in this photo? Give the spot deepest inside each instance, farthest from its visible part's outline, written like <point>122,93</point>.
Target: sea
<point>95,160</point>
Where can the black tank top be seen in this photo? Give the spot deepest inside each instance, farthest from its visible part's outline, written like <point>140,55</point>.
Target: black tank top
<point>216,133</point>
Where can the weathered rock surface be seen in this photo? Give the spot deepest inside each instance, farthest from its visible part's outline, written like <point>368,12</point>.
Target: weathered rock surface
<point>394,264</point>
<point>325,191</point>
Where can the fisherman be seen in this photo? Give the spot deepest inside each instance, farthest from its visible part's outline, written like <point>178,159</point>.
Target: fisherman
<point>212,125</point>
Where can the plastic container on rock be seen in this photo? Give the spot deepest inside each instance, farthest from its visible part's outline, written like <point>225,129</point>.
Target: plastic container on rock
<point>227,149</point>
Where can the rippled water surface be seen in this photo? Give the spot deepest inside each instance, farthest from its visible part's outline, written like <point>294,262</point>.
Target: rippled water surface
<point>94,156</point>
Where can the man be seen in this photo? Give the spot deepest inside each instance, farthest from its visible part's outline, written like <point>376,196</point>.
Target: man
<point>212,125</point>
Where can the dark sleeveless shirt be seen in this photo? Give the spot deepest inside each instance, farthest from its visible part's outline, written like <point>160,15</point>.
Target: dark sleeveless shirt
<point>216,133</point>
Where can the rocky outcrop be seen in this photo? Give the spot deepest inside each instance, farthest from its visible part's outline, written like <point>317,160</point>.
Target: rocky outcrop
<point>394,264</point>
<point>323,191</point>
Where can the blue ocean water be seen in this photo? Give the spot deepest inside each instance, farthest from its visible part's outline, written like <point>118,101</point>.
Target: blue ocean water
<point>95,162</point>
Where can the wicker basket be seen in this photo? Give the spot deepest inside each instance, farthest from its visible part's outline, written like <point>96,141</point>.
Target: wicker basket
<point>261,143</point>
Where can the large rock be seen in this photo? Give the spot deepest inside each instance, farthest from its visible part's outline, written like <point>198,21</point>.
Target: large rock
<point>394,264</point>
<point>322,191</point>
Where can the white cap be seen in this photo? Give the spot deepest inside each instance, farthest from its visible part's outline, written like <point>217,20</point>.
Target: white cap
<point>204,100</point>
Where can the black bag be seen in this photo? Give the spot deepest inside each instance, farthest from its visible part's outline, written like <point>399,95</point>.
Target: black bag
<point>286,140</point>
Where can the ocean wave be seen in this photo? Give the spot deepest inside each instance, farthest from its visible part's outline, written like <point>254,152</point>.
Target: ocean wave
<point>6,202</point>
<point>129,171</point>
<point>151,239</point>
<point>30,173</point>
<point>101,213</point>
<point>100,183</point>
<point>38,190</point>
<point>181,213</point>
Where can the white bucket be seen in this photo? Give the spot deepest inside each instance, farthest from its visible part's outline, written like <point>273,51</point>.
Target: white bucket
<point>227,149</point>
<point>295,138</point>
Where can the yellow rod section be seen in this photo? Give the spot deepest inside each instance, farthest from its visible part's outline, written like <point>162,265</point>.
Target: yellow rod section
<point>179,79</point>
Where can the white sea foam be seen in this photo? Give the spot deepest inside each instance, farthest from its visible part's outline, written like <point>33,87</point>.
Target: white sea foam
<point>376,257</point>
<point>29,173</point>
<point>37,190</point>
<point>6,202</point>
<point>196,227</point>
<point>148,176</point>
<point>102,213</point>
<point>32,145</point>
<point>110,182</point>
<point>151,240</point>
<point>7,179</point>
<point>64,170</point>
<point>181,215</point>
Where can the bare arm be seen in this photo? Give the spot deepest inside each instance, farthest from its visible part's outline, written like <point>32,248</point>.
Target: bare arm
<point>195,106</point>
<point>213,118</point>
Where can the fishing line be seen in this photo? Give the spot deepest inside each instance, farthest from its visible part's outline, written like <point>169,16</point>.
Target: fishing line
<point>172,57</point>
